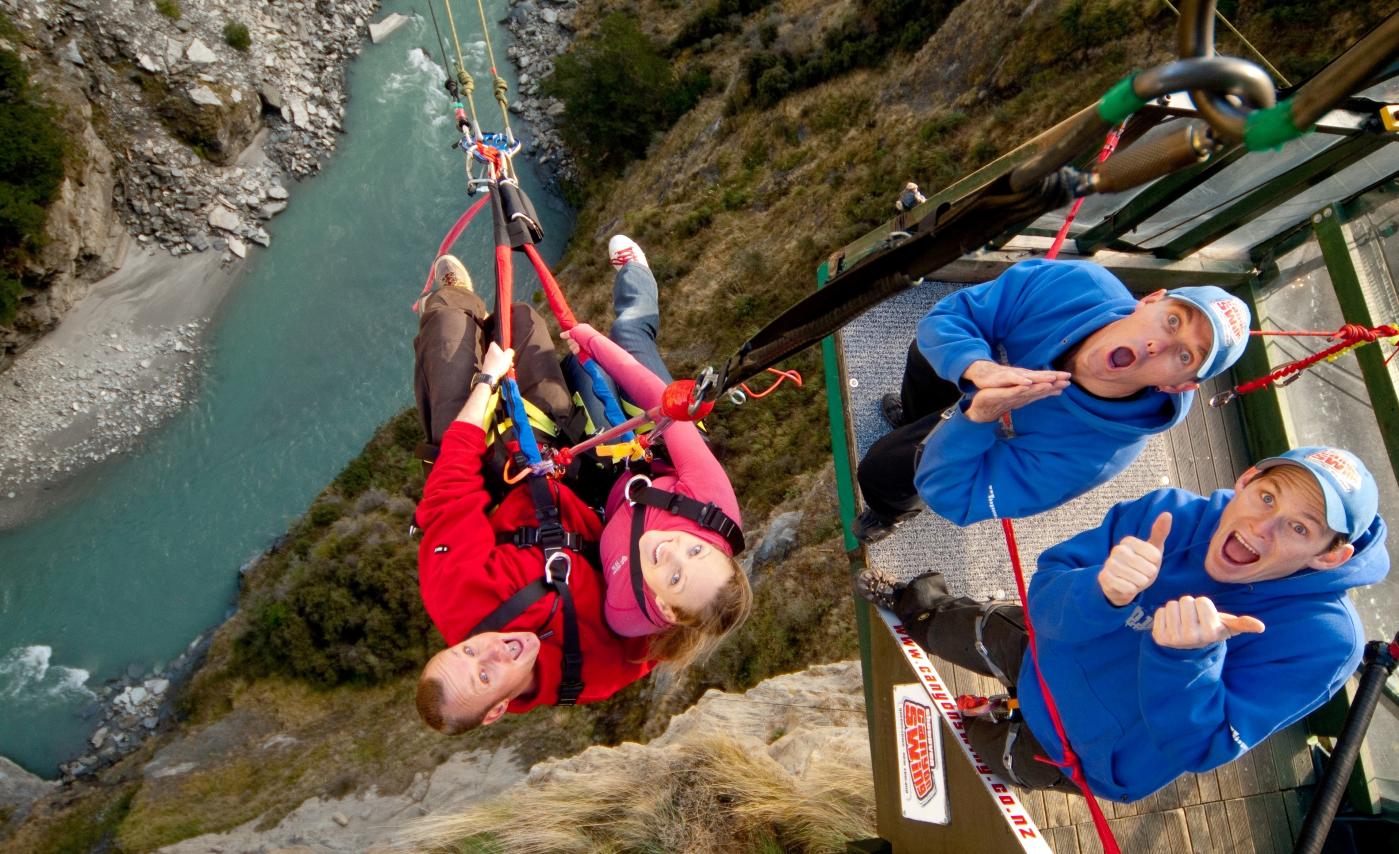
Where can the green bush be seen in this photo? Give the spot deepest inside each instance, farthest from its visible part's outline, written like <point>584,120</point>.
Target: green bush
<point>169,8</point>
<point>338,601</point>
<point>617,92</point>
<point>31,170</point>
<point>717,18</point>
<point>235,33</point>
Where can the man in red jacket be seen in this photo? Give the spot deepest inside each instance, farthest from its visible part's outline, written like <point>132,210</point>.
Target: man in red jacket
<point>465,571</point>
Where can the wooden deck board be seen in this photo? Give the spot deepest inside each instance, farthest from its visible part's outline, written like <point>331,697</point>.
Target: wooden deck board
<point>1064,840</point>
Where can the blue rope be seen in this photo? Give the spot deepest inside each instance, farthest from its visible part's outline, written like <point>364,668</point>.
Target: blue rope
<point>603,391</point>
<point>523,431</point>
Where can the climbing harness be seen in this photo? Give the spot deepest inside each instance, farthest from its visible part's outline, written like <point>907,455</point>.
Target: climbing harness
<point>1347,338</point>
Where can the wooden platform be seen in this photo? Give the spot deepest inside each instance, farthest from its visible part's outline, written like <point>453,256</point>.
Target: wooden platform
<point>1255,804</point>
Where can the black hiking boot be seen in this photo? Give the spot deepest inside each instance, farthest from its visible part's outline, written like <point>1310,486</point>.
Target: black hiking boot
<point>871,527</point>
<point>891,406</point>
<point>879,586</point>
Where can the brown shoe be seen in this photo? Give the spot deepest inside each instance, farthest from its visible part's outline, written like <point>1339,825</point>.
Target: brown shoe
<point>448,272</point>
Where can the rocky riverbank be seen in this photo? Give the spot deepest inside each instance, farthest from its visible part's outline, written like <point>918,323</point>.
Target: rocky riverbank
<point>162,105</point>
<point>543,30</point>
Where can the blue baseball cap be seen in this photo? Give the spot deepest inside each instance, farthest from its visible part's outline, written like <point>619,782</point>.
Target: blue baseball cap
<point>1351,496</point>
<point>1229,318</point>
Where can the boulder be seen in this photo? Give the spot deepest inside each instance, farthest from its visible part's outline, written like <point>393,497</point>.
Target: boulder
<point>549,16</point>
<point>223,218</point>
<point>147,64</point>
<point>380,30</point>
<point>278,193</point>
<point>199,53</point>
<point>204,96</point>
<point>237,247</point>
<point>71,53</point>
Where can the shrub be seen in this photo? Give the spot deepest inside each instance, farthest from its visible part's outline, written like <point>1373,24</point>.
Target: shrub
<point>235,33</point>
<point>169,8</point>
<point>31,170</point>
<point>716,18</point>
<point>617,92</point>
<point>340,602</point>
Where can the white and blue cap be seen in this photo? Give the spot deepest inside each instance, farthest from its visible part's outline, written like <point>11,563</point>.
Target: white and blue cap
<point>1229,318</point>
<point>1351,496</point>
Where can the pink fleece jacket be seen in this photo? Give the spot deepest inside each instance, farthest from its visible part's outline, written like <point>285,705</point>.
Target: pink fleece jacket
<point>693,471</point>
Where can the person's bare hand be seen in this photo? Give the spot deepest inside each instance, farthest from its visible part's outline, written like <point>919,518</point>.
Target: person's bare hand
<point>985,373</point>
<point>991,403</point>
<point>571,344</point>
<point>497,362</point>
<point>1133,564</point>
<point>1192,622</point>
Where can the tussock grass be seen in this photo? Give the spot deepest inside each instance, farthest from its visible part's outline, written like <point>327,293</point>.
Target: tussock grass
<point>714,793</point>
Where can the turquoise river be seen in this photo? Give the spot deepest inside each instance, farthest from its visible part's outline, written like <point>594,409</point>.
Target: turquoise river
<point>308,356</point>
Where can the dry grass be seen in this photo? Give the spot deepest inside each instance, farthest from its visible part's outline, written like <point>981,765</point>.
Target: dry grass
<point>712,794</point>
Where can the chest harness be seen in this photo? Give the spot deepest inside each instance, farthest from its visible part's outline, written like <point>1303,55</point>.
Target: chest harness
<point>707,515</point>
<point>559,546</point>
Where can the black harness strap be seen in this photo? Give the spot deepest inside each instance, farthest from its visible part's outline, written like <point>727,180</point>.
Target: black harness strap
<point>706,514</point>
<point>556,543</point>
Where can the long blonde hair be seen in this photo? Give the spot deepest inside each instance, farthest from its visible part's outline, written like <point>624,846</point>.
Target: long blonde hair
<point>693,637</point>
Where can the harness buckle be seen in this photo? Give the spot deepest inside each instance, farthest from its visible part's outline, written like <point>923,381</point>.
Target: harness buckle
<point>558,557</point>
<point>646,482</point>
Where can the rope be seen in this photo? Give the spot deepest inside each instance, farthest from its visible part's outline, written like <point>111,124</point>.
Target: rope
<point>1248,44</point>
<point>1347,338</point>
<point>1071,762</point>
<point>446,244</point>
<point>452,26</point>
<point>1109,146</point>
<point>500,86</point>
<point>441,48</point>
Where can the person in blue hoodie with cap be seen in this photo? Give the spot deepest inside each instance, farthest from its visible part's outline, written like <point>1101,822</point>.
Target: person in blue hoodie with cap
<point>1085,372</point>
<point>1178,634</point>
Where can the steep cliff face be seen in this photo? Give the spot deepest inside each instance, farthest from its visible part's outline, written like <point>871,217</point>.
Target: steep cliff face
<point>158,101</point>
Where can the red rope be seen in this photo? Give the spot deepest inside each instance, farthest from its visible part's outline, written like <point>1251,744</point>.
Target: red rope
<point>781,375</point>
<point>1071,761</point>
<point>447,242</point>
<point>1348,336</point>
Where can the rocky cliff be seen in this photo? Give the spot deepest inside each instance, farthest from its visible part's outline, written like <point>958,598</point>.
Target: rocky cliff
<point>158,101</point>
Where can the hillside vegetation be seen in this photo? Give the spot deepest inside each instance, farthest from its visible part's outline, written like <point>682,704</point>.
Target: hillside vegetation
<point>792,126</point>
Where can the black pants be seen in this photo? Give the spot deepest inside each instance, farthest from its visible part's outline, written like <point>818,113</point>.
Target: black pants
<point>946,626</point>
<point>886,472</point>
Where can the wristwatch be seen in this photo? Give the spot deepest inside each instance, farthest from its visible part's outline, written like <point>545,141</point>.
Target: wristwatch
<point>483,378</point>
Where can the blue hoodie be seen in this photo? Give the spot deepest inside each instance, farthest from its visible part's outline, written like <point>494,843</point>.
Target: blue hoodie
<point>1059,447</point>
<point>1138,714</point>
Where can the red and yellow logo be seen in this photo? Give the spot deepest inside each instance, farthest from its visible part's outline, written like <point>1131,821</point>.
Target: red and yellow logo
<point>1340,466</point>
<point>1231,312</point>
<point>918,745</point>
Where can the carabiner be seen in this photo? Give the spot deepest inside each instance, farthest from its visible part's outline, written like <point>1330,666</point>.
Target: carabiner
<point>627,490</point>
<point>1223,398</point>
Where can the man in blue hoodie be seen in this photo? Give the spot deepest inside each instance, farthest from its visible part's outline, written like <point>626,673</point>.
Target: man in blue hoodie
<point>1178,634</point>
<point>1084,372</point>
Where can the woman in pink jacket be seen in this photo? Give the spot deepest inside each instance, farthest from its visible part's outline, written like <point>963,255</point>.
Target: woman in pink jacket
<point>672,574</point>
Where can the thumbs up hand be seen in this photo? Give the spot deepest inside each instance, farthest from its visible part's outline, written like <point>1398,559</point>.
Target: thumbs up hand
<point>1192,622</point>
<point>1133,563</point>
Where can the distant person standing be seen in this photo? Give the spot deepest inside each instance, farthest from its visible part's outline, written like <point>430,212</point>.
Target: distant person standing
<point>910,198</point>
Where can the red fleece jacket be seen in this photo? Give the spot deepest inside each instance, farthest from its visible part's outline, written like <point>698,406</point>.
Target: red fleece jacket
<point>464,575</point>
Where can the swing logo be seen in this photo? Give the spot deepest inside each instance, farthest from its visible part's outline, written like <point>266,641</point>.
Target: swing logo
<point>917,748</point>
<point>1341,468</point>
<point>1233,325</point>
<point>922,794</point>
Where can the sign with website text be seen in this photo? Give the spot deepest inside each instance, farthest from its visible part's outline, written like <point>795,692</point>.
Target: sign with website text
<point>922,783</point>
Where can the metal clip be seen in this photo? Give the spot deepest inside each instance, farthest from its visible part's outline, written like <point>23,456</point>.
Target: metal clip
<point>1288,380</point>
<point>736,396</point>
<point>1223,398</point>
<point>627,491</point>
<point>549,566</point>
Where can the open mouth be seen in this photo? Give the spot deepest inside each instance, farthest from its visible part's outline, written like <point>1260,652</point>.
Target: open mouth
<point>1238,552</point>
<point>656,554</point>
<point>516,649</point>
<point>1122,357</point>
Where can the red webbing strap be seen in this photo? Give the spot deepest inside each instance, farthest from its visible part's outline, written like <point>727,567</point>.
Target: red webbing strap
<point>447,242</point>
<point>1071,761</point>
<point>504,294</point>
<point>1348,336</point>
<point>1109,145</point>
<point>562,313</point>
